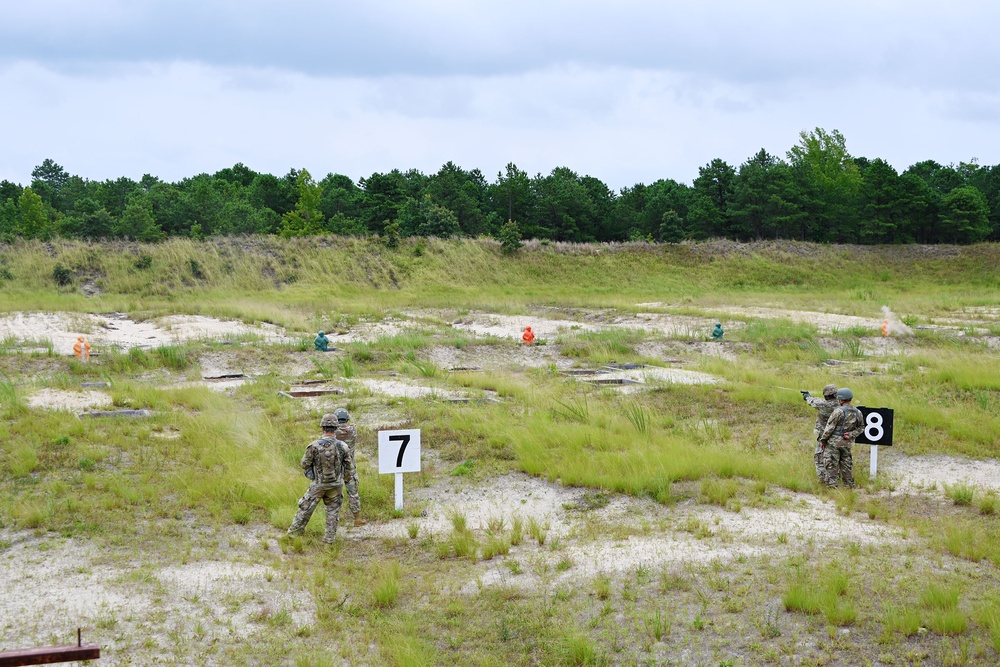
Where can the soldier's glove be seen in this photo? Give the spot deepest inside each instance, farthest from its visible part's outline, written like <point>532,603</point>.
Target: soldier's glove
<point>805,394</point>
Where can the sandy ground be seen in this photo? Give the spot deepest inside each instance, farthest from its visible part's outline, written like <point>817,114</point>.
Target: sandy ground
<point>512,326</point>
<point>650,376</point>
<point>222,600</point>
<point>403,388</point>
<point>497,357</point>
<point>825,322</point>
<point>936,471</point>
<point>549,329</point>
<point>217,596</point>
<point>655,534</point>
<point>53,585</point>
<point>58,399</point>
<point>116,329</point>
<point>367,332</point>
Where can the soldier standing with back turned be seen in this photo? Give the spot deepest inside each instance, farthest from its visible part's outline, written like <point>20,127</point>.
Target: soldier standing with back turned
<point>846,423</point>
<point>824,408</point>
<point>327,463</point>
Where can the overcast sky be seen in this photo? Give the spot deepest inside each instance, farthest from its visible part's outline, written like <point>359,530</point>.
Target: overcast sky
<point>628,91</point>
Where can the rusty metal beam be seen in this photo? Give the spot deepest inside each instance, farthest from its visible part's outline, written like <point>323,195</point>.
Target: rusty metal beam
<point>49,655</point>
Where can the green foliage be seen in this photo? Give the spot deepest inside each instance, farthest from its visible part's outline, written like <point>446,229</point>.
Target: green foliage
<point>138,222</point>
<point>639,418</point>
<point>391,235</point>
<point>718,491</point>
<point>579,651</point>
<point>823,593</point>
<point>194,266</point>
<point>61,275</point>
<point>602,346</point>
<point>961,494</point>
<point>820,193</point>
<point>307,218</point>
<point>510,237</point>
<point>34,221</point>
<point>385,590</point>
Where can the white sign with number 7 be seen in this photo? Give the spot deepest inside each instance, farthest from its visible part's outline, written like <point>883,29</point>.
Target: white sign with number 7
<point>399,452</point>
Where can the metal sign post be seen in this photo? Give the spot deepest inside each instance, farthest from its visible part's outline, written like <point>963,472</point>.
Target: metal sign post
<point>399,452</point>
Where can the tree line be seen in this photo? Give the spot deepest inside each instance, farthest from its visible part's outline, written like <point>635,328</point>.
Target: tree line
<point>817,192</point>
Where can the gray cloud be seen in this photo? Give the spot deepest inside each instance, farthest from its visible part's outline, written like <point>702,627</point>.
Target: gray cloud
<point>630,91</point>
<point>623,126</point>
<point>918,42</point>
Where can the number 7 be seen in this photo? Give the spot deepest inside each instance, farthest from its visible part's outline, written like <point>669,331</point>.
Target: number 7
<point>405,439</point>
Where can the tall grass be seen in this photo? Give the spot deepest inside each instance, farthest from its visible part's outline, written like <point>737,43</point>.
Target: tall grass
<point>602,346</point>
<point>291,279</point>
<point>825,594</point>
<point>10,399</point>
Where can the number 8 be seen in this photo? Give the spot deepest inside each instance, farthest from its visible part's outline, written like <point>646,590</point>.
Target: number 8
<point>873,426</point>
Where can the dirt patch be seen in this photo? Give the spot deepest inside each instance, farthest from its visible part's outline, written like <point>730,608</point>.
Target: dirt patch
<point>578,321</point>
<point>824,322</point>
<point>935,471</point>
<point>118,330</point>
<point>59,399</point>
<point>404,389</point>
<point>225,386</point>
<point>497,357</point>
<point>676,351</point>
<point>367,332</point>
<point>649,534</point>
<point>512,326</point>
<point>52,586</point>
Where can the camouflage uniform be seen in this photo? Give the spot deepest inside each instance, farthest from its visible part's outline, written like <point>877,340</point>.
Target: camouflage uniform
<point>824,408</point>
<point>329,461</point>
<point>349,434</point>
<point>845,424</point>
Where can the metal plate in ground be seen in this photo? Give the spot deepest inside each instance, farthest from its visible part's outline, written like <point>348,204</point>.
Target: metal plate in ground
<point>612,381</point>
<point>303,393</point>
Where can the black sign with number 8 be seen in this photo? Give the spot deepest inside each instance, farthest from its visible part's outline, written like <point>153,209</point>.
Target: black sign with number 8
<point>878,427</point>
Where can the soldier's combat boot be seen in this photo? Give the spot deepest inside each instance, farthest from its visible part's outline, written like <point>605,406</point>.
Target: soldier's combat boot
<point>358,521</point>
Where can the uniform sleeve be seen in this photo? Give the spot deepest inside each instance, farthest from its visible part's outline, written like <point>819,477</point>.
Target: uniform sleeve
<point>831,424</point>
<point>350,472</point>
<point>859,427</point>
<point>309,458</point>
<point>815,401</point>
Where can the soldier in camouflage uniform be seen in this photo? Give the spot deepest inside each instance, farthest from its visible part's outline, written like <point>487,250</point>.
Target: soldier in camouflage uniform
<point>846,423</point>
<point>824,408</point>
<point>327,463</point>
<point>349,434</point>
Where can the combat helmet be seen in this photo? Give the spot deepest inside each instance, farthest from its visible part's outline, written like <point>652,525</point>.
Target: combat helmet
<point>342,415</point>
<point>845,394</point>
<point>328,422</point>
<point>830,390</point>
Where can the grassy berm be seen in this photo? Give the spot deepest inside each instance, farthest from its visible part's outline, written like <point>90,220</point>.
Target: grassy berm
<point>672,519</point>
